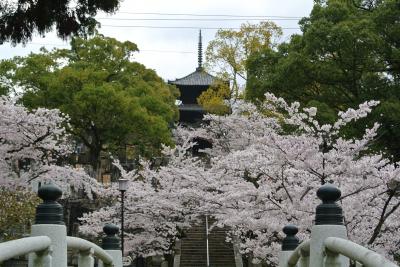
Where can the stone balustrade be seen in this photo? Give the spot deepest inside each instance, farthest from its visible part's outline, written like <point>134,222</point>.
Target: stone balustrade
<point>328,245</point>
<point>49,243</point>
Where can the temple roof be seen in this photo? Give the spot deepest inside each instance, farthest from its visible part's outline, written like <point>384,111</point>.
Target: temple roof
<point>199,77</point>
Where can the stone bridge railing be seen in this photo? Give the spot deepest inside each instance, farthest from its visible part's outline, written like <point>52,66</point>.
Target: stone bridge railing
<point>328,245</point>
<point>49,243</point>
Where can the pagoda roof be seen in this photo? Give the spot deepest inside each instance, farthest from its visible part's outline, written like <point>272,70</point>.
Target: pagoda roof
<point>200,78</point>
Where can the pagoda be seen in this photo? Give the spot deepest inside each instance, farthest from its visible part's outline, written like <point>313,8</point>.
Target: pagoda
<point>192,247</point>
<point>191,86</point>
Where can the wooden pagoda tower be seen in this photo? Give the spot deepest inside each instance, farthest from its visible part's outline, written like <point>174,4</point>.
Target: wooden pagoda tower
<point>191,86</point>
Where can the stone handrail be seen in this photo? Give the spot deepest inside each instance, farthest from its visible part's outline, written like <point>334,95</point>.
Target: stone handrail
<point>356,252</point>
<point>83,245</point>
<point>328,245</point>
<point>23,246</point>
<point>303,250</point>
<point>49,243</point>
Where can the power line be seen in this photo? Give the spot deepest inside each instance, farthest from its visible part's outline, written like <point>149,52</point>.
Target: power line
<point>181,27</point>
<point>168,51</point>
<point>199,19</point>
<point>48,44</point>
<point>140,50</point>
<point>205,15</point>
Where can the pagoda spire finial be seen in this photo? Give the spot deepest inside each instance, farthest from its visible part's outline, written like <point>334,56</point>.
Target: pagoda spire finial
<point>200,56</point>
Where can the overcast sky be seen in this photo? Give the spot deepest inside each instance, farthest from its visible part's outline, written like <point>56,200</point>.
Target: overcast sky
<point>173,52</point>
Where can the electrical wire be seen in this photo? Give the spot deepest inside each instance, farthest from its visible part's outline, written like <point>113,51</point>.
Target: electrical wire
<point>197,19</point>
<point>48,44</point>
<point>167,51</point>
<point>140,50</point>
<point>182,27</point>
<point>205,15</point>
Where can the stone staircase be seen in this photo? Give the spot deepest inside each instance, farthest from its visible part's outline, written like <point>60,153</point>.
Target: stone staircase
<point>193,248</point>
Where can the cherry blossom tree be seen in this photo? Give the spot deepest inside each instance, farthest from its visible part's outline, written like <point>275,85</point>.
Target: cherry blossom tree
<point>31,145</point>
<point>268,169</point>
<point>160,202</point>
<point>261,173</point>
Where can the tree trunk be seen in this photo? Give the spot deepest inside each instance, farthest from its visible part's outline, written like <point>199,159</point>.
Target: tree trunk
<point>95,162</point>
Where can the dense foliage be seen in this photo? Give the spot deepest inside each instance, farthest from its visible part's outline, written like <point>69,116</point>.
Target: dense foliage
<point>228,53</point>
<point>21,19</point>
<point>214,98</point>
<point>17,211</point>
<point>349,52</point>
<point>111,100</point>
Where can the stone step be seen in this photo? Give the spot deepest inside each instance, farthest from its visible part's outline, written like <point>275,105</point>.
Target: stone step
<point>214,246</point>
<point>215,254</point>
<point>200,248</point>
<point>193,248</point>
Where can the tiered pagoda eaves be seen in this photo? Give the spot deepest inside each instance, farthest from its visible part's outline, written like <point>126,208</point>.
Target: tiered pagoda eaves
<point>191,87</point>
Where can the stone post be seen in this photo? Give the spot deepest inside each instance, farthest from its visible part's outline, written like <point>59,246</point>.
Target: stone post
<point>85,258</point>
<point>111,244</point>
<point>289,244</point>
<point>328,223</point>
<point>42,259</point>
<point>49,222</point>
<point>236,253</point>
<point>177,253</point>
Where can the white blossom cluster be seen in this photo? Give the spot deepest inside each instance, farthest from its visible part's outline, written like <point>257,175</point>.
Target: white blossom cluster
<point>268,176</point>
<point>262,173</point>
<point>31,142</point>
<point>159,203</point>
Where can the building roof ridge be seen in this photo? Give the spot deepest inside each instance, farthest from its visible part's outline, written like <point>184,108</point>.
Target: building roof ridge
<point>198,77</point>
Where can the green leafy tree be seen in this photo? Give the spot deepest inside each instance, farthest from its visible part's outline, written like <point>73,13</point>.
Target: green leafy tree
<point>17,211</point>
<point>227,54</point>
<point>20,19</point>
<point>111,100</point>
<point>348,53</point>
<point>213,99</point>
